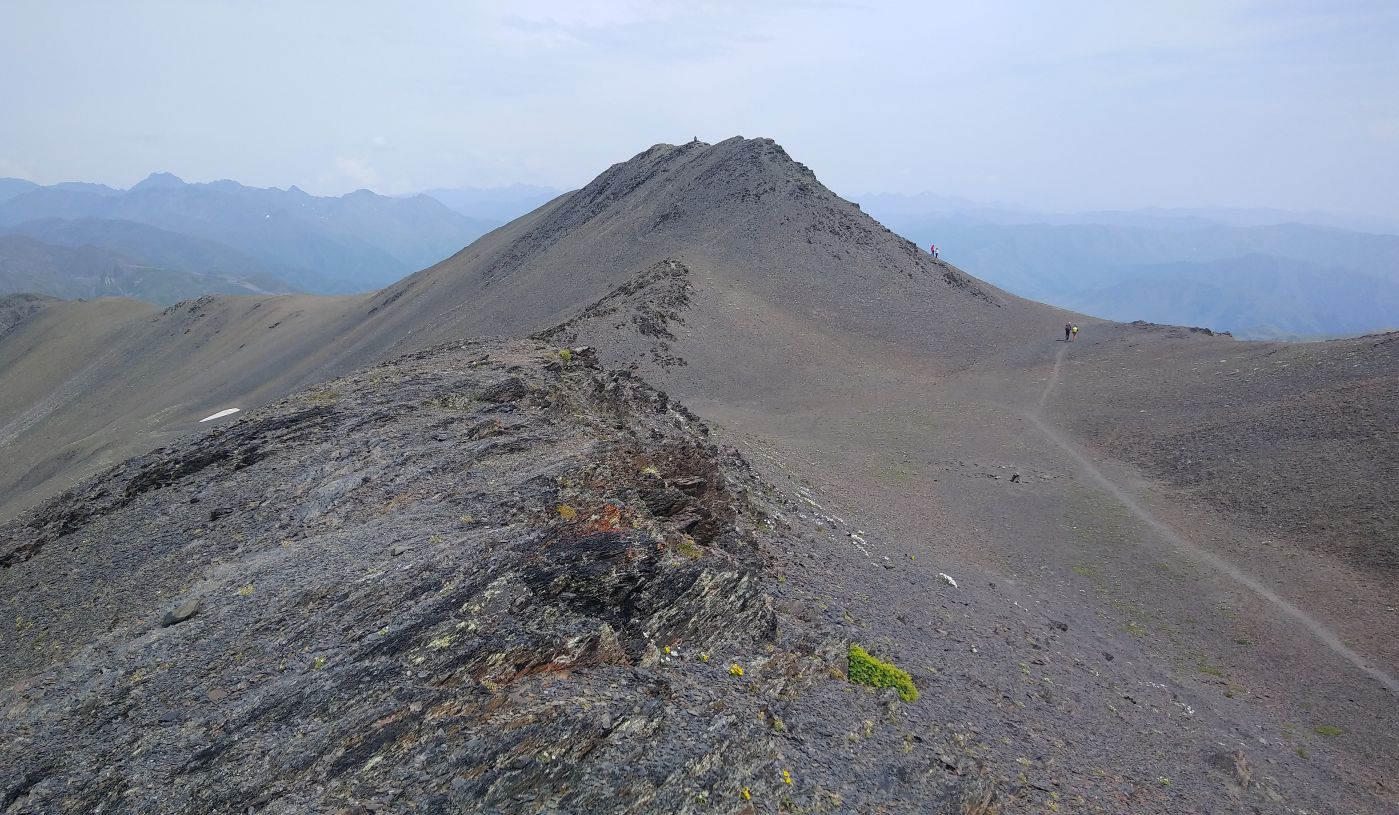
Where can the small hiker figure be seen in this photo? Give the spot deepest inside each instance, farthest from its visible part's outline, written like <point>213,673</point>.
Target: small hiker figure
<point>1075,334</point>
<point>1068,330</point>
<point>933,249</point>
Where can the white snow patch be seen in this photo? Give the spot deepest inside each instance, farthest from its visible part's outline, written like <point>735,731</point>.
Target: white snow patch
<point>221,414</point>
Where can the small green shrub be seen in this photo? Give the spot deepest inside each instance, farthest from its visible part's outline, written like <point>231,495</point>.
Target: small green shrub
<point>688,547</point>
<point>565,354</point>
<point>1328,730</point>
<point>866,670</point>
<point>1204,667</point>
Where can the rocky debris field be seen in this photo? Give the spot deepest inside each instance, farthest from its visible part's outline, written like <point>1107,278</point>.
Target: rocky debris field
<point>486,577</point>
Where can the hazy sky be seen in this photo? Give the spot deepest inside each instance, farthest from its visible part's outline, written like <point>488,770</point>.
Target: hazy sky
<point>1052,104</point>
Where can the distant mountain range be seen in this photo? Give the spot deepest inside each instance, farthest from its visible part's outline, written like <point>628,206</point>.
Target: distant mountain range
<point>1256,273</point>
<point>169,239</point>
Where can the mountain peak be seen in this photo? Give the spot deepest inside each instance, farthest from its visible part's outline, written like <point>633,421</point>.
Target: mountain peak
<point>159,181</point>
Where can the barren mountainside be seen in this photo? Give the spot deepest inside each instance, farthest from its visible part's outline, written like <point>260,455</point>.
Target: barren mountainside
<point>614,558</point>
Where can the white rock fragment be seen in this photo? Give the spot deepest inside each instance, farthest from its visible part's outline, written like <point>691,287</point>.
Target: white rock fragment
<point>946,579</point>
<point>220,414</point>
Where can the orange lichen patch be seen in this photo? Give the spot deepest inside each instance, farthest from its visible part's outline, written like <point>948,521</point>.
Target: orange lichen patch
<point>610,518</point>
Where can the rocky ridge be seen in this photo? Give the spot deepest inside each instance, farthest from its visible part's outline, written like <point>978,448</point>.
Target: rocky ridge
<point>486,577</point>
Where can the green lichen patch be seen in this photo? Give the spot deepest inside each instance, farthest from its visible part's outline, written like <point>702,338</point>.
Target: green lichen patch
<point>866,670</point>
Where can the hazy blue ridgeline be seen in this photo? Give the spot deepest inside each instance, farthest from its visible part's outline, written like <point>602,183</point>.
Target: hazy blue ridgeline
<point>1284,279</point>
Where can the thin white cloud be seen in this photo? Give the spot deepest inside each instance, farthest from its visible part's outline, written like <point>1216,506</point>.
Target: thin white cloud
<point>1071,104</point>
<point>357,170</point>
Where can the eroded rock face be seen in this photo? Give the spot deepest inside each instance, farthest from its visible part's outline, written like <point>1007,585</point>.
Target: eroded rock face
<point>481,578</point>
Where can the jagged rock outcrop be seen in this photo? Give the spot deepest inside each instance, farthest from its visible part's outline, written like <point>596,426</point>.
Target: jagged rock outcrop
<point>640,312</point>
<point>486,578</point>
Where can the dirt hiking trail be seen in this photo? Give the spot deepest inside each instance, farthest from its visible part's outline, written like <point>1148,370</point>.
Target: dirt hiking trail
<point>1165,533</point>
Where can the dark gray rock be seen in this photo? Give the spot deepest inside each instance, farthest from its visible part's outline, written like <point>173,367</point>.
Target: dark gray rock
<point>507,390</point>
<point>598,573</point>
<point>183,612</point>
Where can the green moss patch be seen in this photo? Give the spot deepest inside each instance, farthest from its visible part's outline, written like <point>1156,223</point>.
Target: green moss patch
<point>866,670</point>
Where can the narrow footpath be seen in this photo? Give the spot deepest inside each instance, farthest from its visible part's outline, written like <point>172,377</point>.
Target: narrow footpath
<point>1170,536</point>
